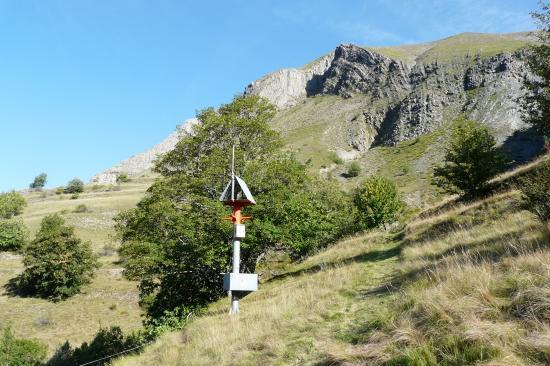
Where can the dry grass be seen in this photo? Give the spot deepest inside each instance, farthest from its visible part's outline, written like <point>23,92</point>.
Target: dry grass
<point>468,285</point>
<point>109,300</point>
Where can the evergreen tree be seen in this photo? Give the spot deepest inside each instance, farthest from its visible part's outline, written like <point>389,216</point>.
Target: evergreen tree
<point>471,160</point>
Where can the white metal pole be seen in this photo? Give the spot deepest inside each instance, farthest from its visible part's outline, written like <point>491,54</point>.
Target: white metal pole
<point>236,269</point>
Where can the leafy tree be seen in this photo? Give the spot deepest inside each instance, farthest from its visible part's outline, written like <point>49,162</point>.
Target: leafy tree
<point>57,263</point>
<point>536,103</point>
<point>13,234</point>
<point>122,178</point>
<point>354,169</point>
<point>39,181</point>
<point>536,191</point>
<point>107,342</point>
<point>11,204</point>
<point>74,186</point>
<point>175,242</point>
<point>378,202</point>
<point>20,352</point>
<point>471,160</point>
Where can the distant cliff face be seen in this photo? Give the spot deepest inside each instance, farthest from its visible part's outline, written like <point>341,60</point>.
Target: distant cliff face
<point>409,96</point>
<point>142,162</point>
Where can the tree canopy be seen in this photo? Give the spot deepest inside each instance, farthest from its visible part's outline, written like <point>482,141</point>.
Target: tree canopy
<point>471,160</point>
<point>176,243</point>
<point>57,263</point>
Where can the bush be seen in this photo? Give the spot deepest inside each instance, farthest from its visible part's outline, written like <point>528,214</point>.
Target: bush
<point>378,202</point>
<point>354,169</point>
<point>74,186</point>
<point>11,204</point>
<point>81,208</point>
<point>122,178</point>
<point>107,342</point>
<point>57,263</point>
<point>536,191</point>
<point>75,196</point>
<point>59,190</point>
<point>335,158</point>
<point>20,352</point>
<point>471,160</point>
<point>13,234</point>
<point>39,181</point>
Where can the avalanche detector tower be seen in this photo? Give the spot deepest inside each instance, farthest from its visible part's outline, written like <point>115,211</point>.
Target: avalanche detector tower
<point>237,195</point>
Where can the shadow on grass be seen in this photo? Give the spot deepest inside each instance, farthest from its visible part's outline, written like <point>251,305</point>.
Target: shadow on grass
<point>371,256</point>
<point>15,288</point>
<point>487,250</point>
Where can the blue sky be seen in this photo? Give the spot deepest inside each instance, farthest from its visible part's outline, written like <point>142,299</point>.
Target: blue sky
<point>85,84</point>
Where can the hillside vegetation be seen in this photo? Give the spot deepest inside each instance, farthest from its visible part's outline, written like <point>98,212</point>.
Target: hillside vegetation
<point>461,283</point>
<point>108,300</point>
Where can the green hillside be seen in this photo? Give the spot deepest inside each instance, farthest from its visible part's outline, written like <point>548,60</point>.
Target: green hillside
<point>109,300</point>
<point>458,284</point>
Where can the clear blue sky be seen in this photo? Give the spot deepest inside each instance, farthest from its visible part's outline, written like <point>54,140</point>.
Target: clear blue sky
<point>85,84</point>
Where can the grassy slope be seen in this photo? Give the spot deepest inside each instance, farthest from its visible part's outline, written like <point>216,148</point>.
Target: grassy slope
<point>109,300</point>
<point>461,283</point>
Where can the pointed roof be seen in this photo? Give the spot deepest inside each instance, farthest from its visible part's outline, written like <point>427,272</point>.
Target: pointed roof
<point>241,193</point>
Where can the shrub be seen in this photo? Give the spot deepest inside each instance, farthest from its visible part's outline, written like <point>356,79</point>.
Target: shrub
<point>57,263</point>
<point>13,234</point>
<point>378,202</point>
<point>81,208</point>
<point>354,169</point>
<point>39,181</point>
<point>107,342</point>
<point>11,204</point>
<point>536,191</point>
<point>20,352</point>
<point>59,190</point>
<point>74,186</point>
<point>122,178</point>
<point>335,158</point>
<point>75,196</point>
<point>471,160</point>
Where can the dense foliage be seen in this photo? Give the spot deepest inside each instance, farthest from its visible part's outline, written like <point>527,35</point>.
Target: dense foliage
<point>20,352</point>
<point>536,191</point>
<point>74,186</point>
<point>175,242</point>
<point>378,202</point>
<point>122,178</point>
<point>39,181</point>
<point>471,160</point>
<point>537,102</point>
<point>57,263</point>
<point>13,234</point>
<point>11,204</point>
<point>107,342</point>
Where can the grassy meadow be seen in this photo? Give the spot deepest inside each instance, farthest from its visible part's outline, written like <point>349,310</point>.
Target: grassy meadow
<point>461,283</point>
<point>108,300</point>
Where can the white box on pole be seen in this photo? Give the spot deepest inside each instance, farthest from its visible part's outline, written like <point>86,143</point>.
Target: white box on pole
<point>239,231</point>
<point>240,282</point>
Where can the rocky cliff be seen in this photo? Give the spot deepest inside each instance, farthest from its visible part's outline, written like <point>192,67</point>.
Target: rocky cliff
<point>142,162</point>
<point>410,91</point>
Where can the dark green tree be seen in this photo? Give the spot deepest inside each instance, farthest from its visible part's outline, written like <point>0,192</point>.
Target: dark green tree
<point>13,234</point>
<point>39,181</point>
<point>74,186</point>
<point>471,160</point>
<point>175,242</point>
<point>20,352</point>
<point>11,204</point>
<point>378,202</point>
<point>536,103</point>
<point>57,263</point>
<point>536,191</point>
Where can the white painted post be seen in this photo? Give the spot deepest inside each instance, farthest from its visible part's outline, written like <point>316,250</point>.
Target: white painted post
<point>236,269</point>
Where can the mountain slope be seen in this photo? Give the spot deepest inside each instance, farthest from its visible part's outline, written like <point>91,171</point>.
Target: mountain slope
<point>462,283</point>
